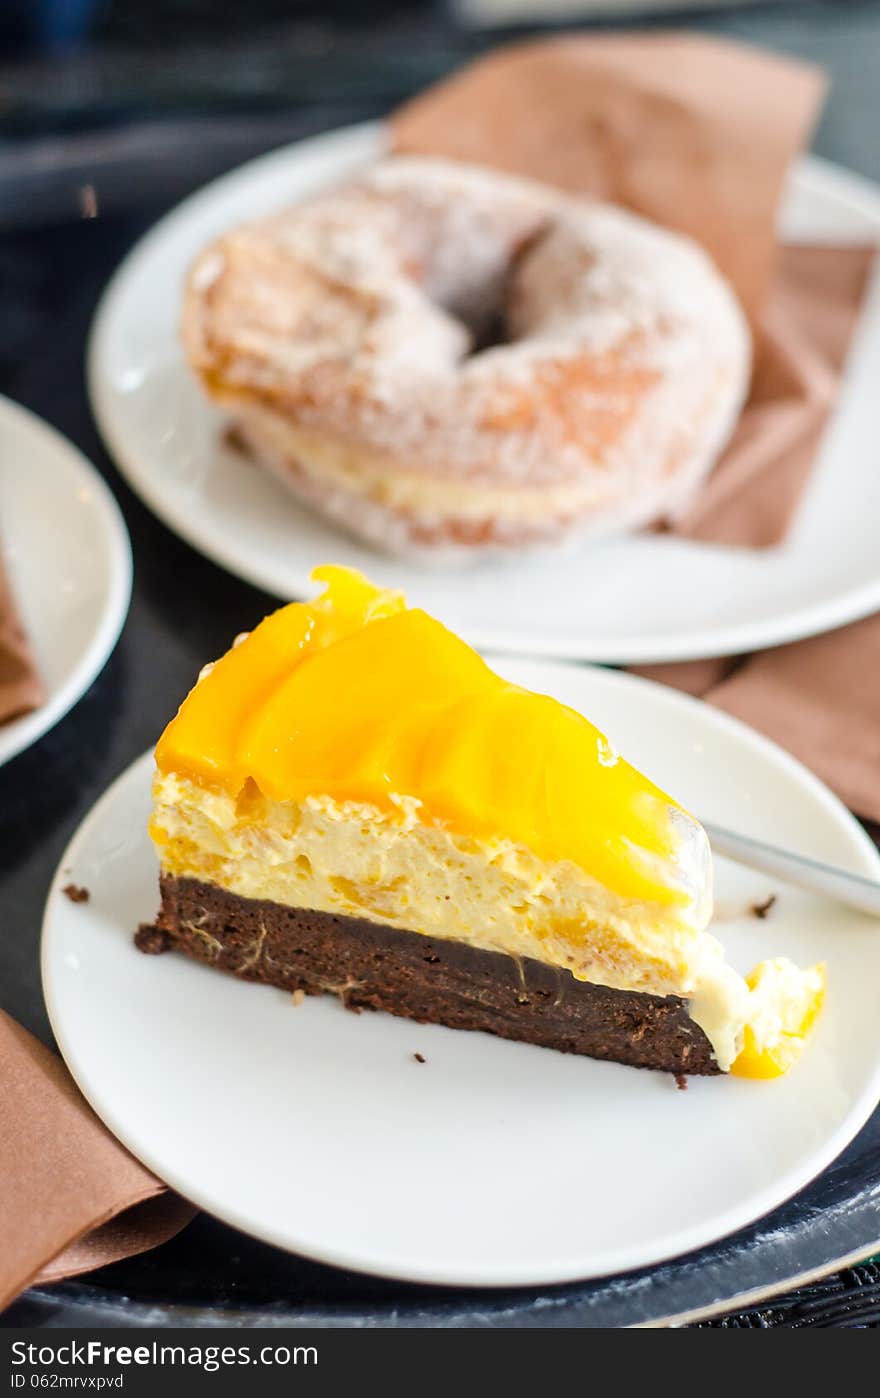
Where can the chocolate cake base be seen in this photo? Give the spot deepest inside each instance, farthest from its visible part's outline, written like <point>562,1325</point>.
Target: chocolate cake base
<point>433,981</point>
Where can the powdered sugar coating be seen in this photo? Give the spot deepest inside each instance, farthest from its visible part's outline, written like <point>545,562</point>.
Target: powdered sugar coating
<point>354,320</point>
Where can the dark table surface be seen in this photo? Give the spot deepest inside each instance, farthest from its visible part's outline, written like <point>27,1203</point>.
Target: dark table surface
<point>144,115</point>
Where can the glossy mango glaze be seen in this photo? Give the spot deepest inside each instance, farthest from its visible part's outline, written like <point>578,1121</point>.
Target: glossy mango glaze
<point>356,697</point>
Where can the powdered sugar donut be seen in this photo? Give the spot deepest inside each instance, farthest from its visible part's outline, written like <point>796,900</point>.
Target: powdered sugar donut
<point>446,359</point>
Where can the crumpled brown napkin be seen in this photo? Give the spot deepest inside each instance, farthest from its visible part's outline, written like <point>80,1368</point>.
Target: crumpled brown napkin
<point>696,134</point>
<point>801,343</point>
<point>21,688</point>
<point>71,1197</point>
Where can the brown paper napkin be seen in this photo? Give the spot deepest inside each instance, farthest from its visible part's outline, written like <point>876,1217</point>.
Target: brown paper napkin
<point>696,134</point>
<point>801,343</point>
<point>71,1197</point>
<point>21,688</point>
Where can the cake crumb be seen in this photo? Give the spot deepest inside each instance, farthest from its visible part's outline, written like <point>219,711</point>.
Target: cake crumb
<point>151,940</point>
<point>88,201</point>
<point>762,910</point>
<point>298,996</point>
<point>681,1082</point>
<point>233,438</point>
<point>420,1058</point>
<point>76,893</point>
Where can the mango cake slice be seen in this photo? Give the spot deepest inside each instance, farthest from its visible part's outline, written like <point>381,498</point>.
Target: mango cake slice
<point>351,801</point>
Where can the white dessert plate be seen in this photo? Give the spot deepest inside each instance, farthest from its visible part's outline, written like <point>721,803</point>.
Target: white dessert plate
<point>69,562</point>
<point>491,1163</point>
<point>634,599</point>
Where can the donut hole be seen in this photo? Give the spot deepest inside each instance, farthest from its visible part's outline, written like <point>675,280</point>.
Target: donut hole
<point>490,331</point>
<point>481,294</point>
<point>482,310</point>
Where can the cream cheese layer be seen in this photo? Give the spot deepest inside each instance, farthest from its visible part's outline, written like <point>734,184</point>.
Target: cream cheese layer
<point>391,868</point>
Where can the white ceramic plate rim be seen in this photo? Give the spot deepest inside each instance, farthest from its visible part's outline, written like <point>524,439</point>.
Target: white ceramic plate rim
<point>22,732</point>
<point>865,859</point>
<point>848,603</point>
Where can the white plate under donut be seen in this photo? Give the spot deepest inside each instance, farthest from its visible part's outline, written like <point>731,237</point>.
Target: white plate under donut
<point>634,599</point>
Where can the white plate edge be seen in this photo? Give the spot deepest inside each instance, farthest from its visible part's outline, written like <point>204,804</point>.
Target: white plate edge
<point>23,732</point>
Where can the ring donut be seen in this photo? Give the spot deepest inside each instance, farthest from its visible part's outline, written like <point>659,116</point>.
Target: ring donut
<point>447,360</point>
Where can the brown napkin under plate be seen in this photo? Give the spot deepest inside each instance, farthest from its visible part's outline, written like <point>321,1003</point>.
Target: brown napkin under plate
<point>71,1197</point>
<point>801,343</point>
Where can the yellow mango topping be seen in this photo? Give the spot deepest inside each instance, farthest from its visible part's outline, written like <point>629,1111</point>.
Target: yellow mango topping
<point>786,1004</point>
<point>204,741</point>
<point>356,697</point>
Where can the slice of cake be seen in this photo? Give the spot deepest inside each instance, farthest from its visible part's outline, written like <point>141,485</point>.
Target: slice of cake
<point>352,801</point>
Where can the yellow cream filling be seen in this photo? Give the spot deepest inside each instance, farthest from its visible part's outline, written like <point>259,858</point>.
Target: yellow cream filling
<point>340,465</point>
<point>389,867</point>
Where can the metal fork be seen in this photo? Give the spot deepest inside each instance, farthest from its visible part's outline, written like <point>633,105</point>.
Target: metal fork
<point>798,869</point>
